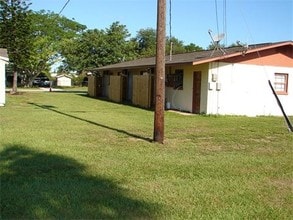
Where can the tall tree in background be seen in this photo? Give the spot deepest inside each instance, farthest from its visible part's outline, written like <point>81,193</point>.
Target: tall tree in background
<point>146,42</point>
<point>15,34</point>
<point>192,47</point>
<point>86,51</point>
<point>120,47</point>
<point>177,46</point>
<point>49,31</point>
<point>95,48</point>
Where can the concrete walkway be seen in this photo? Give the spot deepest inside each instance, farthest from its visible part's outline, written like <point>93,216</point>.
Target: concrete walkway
<point>48,89</point>
<point>40,89</point>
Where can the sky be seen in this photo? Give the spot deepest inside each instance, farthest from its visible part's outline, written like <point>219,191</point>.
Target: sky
<point>247,21</point>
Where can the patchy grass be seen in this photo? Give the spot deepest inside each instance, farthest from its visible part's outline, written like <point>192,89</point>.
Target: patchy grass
<point>64,155</point>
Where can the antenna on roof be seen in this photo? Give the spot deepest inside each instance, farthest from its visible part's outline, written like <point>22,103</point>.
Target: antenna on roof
<point>244,47</point>
<point>216,42</point>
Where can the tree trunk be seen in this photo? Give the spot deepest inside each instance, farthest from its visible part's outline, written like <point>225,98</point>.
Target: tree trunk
<point>14,85</point>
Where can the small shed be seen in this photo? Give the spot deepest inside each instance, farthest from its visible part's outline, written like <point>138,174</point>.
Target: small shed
<point>64,80</point>
<point>3,61</point>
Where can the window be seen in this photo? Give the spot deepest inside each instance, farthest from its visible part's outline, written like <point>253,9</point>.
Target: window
<point>175,80</point>
<point>281,83</point>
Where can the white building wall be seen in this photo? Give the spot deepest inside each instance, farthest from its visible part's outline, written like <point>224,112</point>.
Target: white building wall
<point>241,89</point>
<point>63,81</point>
<point>2,81</point>
<point>182,99</point>
<point>204,87</point>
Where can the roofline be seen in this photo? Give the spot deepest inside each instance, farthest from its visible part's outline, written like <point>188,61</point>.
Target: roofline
<point>4,55</point>
<point>64,75</point>
<point>5,59</point>
<point>138,66</point>
<point>250,50</point>
<point>253,50</point>
<point>123,68</point>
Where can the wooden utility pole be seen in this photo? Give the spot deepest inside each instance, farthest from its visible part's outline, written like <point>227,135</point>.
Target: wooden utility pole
<point>160,73</point>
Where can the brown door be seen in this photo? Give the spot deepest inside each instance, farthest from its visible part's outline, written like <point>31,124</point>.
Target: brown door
<point>196,92</point>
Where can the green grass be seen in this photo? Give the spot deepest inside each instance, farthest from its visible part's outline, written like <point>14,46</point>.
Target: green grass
<point>64,155</point>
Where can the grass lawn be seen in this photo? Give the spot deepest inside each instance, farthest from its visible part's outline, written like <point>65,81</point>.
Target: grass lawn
<point>66,156</point>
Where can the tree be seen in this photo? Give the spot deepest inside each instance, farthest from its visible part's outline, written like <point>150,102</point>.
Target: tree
<point>15,35</point>
<point>192,47</point>
<point>85,51</point>
<point>119,47</point>
<point>49,31</point>
<point>95,48</point>
<point>213,46</point>
<point>146,42</point>
<point>177,46</point>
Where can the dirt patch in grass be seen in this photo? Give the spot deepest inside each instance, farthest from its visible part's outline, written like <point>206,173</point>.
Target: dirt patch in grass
<point>282,196</point>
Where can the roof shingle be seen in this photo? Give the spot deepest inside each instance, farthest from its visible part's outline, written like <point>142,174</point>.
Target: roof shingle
<point>3,53</point>
<point>194,57</point>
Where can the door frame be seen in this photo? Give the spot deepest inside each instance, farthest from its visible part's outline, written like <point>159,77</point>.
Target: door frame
<point>196,92</point>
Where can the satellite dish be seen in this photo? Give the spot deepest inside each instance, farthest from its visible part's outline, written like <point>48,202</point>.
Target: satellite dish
<point>219,37</point>
<point>216,41</point>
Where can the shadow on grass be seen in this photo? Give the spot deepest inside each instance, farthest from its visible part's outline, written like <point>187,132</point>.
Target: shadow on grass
<point>53,108</point>
<point>37,185</point>
<point>126,103</point>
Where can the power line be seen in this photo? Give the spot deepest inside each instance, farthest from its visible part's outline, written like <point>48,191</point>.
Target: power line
<point>224,31</point>
<point>52,22</point>
<point>55,19</point>
<point>170,18</point>
<point>64,7</point>
<point>170,30</point>
<point>217,20</point>
<point>225,21</point>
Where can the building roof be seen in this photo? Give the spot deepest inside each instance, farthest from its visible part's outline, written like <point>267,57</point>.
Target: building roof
<point>64,75</point>
<point>198,57</point>
<point>3,53</point>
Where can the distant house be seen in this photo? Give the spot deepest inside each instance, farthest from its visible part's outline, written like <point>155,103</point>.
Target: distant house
<point>64,80</point>
<point>3,60</point>
<point>229,82</point>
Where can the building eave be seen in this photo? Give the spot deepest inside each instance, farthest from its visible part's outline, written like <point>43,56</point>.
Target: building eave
<point>59,76</point>
<point>195,58</point>
<point>4,55</point>
<point>243,53</point>
<point>5,59</point>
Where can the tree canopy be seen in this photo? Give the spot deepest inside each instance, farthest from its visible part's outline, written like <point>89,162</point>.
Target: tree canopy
<point>15,31</point>
<point>33,39</point>
<point>146,42</point>
<point>38,40</point>
<point>95,48</point>
<point>15,34</point>
<point>50,31</point>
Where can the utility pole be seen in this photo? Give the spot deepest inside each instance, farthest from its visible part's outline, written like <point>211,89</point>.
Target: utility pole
<point>160,73</point>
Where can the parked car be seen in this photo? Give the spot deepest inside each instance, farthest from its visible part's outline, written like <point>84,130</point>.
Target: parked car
<point>41,82</point>
<point>36,82</point>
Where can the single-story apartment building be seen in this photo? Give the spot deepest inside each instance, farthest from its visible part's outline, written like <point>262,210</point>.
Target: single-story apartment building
<point>232,81</point>
<point>3,61</point>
